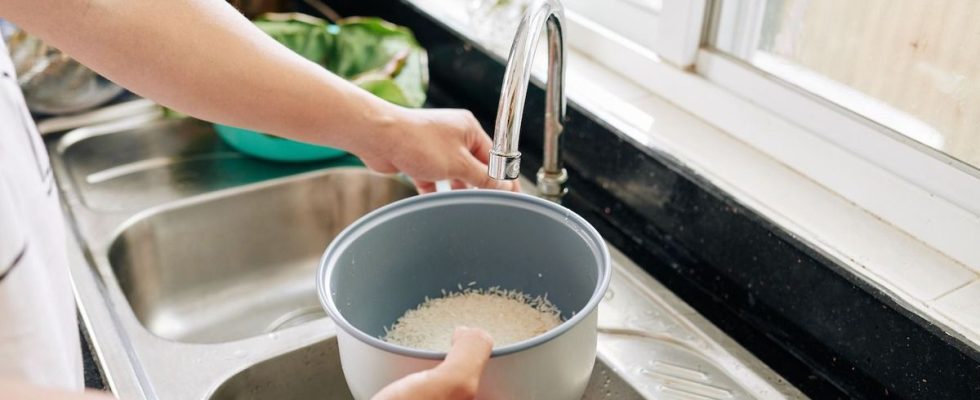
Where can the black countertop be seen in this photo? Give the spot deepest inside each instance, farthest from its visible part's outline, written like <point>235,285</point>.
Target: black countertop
<point>93,375</point>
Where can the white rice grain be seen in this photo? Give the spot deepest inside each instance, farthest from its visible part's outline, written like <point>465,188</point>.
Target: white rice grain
<point>509,316</point>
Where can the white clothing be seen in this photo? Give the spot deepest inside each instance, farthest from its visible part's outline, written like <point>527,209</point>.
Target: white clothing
<point>39,341</point>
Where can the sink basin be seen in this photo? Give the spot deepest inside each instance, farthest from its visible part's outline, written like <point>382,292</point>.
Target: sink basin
<point>313,372</point>
<point>150,164</point>
<point>240,263</point>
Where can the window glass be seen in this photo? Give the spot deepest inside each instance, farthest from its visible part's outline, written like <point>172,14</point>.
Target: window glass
<point>910,65</point>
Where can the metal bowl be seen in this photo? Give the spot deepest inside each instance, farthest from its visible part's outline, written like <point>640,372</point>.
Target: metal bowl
<point>54,83</point>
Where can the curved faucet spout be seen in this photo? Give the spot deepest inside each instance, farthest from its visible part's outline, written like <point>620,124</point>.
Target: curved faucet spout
<point>505,159</point>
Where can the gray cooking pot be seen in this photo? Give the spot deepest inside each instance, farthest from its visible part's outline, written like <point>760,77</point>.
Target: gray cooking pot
<point>391,259</point>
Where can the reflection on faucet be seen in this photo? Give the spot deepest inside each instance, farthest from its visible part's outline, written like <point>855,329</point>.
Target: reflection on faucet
<point>505,159</point>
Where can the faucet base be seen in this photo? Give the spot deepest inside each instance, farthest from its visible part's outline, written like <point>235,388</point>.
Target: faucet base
<point>551,186</point>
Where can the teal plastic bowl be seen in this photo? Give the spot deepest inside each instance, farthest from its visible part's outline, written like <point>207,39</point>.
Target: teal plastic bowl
<point>274,148</point>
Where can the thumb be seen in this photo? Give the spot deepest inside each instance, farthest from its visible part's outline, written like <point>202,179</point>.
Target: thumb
<point>470,352</point>
<point>458,377</point>
<point>465,363</point>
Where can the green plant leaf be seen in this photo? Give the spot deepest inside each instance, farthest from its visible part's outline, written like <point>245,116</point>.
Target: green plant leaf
<point>380,57</point>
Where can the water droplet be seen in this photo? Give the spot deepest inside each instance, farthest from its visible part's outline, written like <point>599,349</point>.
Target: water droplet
<point>273,335</point>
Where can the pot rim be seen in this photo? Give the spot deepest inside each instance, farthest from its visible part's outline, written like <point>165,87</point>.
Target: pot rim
<point>401,207</point>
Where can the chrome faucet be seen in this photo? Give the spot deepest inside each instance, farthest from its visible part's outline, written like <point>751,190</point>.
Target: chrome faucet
<point>505,159</point>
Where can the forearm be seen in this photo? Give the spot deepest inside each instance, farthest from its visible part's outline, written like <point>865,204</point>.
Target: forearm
<point>201,57</point>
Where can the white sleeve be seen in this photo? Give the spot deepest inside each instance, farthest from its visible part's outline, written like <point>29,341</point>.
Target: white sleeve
<point>38,330</point>
<point>39,340</point>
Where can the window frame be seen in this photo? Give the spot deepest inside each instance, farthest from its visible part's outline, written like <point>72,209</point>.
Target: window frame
<point>956,184</point>
<point>635,21</point>
<point>926,195</point>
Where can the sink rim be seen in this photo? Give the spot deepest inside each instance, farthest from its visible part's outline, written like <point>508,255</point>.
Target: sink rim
<point>142,150</point>
<point>216,195</point>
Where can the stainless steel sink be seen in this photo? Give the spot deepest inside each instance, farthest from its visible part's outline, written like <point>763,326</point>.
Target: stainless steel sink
<point>135,167</point>
<point>193,269</point>
<point>236,265</point>
<point>313,372</point>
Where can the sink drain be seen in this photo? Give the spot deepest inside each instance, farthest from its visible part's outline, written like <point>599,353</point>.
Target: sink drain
<point>296,317</point>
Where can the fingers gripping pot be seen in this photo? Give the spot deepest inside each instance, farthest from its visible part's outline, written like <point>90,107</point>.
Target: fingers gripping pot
<point>390,260</point>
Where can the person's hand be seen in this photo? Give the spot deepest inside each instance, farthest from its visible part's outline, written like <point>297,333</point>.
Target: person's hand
<point>457,378</point>
<point>430,145</point>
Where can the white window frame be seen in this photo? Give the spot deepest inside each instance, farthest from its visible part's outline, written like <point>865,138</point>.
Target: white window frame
<point>670,28</point>
<point>931,197</point>
<point>636,20</point>
<point>923,192</point>
<point>951,202</point>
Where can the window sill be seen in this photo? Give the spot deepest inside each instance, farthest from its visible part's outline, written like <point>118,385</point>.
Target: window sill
<point>924,280</point>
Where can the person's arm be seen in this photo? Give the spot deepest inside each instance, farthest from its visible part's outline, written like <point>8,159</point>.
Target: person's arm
<point>203,58</point>
<point>456,378</point>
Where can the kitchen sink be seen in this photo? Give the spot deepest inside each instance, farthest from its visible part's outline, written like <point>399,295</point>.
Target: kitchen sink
<point>161,161</point>
<point>240,264</point>
<point>193,267</point>
<point>314,373</point>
